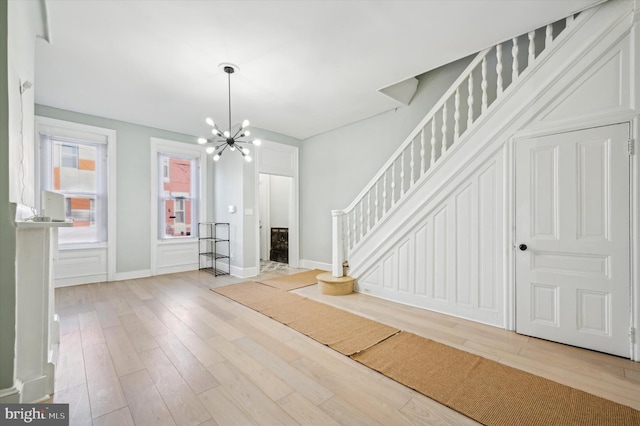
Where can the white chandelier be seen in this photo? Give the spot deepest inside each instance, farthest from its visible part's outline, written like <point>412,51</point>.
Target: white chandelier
<point>232,137</point>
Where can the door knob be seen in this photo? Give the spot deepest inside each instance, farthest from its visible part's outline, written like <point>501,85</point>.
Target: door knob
<point>522,247</point>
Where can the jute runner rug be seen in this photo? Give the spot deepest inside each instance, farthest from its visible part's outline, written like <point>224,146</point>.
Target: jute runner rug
<point>487,391</point>
<point>291,282</point>
<point>482,389</point>
<point>342,331</point>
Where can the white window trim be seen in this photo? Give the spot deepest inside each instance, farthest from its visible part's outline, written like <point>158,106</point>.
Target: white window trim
<point>96,135</point>
<point>165,146</point>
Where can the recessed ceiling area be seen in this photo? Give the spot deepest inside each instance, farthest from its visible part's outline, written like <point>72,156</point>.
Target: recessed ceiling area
<point>306,67</point>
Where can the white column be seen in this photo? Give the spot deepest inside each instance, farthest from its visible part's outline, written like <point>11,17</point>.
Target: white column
<point>337,251</point>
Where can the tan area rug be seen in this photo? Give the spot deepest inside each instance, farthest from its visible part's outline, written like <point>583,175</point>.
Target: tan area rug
<point>482,389</point>
<point>487,391</point>
<point>291,282</point>
<point>342,331</point>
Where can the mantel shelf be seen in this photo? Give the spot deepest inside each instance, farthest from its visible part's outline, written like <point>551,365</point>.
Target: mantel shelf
<point>31,224</point>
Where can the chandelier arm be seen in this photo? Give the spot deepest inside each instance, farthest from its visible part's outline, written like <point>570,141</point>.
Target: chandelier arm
<point>239,130</point>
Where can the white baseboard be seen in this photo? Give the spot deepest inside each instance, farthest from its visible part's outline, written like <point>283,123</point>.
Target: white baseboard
<point>88,279</point>
<point>10,395</point>
<point>312,264</point>
<point>243,272</point>
<point>132,275</point>
<point>176,268</point>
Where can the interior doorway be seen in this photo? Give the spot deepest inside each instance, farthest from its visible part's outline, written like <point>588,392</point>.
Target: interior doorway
<point>572,230</point>
<point>274,220</point>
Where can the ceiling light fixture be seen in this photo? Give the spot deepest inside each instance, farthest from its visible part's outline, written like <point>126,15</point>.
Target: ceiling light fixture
<point>225,139</point>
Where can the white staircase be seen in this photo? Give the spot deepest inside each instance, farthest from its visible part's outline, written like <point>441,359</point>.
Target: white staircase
<point>431,229</point>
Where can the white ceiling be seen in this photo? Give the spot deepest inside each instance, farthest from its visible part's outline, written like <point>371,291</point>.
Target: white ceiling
<point>306,67</point>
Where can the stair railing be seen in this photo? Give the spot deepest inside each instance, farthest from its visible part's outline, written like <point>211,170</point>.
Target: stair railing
<point>481,84</point>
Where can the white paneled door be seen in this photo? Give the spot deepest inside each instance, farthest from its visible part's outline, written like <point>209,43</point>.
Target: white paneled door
<point>572,238</point>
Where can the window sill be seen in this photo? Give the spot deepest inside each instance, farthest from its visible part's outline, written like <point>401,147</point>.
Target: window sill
<point>82,246</point>
<point>178,240</point>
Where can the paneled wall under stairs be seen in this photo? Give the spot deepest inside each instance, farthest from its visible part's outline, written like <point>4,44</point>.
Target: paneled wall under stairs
<point>451,260</point>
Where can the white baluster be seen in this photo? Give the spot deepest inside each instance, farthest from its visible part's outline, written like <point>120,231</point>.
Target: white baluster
<point>499,68</point>
<point>423,166</point>
<point>393,184</point>
<point>368,211</point>
<point>411,165</point>
<point>532,47</point>
<point>484,85</point>
<point>375,203</point>
<point>361,219</point>
<point>348,228</point>
<point>456,116</point>
<point>516,65</point>
<point>433,140</point>
<point>470,102</point>
<point>384,193</point>
<point>444,128</point>
<point>355,225</point>
<point>402,174</point>
<point>570,20</point>
<point>549,36</point>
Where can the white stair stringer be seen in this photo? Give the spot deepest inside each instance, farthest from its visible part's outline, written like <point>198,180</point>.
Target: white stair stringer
<point>444,245</point>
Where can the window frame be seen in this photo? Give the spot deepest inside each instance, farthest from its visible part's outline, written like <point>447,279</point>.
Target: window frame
<point>177,149</point>
<point>85,132</point>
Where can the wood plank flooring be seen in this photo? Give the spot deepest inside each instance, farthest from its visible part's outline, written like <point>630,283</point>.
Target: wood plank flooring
<point>166,350</point>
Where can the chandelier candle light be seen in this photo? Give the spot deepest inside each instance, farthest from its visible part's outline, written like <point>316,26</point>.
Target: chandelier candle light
<point>225,139</point>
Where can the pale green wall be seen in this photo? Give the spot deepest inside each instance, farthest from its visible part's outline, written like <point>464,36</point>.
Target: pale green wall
<point>7,230</point>
<point>230,179</point>
<point>335,166</point>
<point>133,183</point>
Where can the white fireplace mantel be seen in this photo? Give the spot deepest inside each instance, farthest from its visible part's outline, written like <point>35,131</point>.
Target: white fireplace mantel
<point>37,327</point>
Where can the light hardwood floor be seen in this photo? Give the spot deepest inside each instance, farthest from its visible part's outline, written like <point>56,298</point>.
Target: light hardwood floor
<point>166,350</point>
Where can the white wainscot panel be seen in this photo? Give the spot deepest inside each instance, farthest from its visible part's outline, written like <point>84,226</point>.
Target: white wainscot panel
<point>439,290</point>
<point>577,264</point>
<point>594,312</point>
<point>372,279</point>
<point>177,257</point>
<point>405,266</point>
<point>81,266</point>
<point>465,248</point>
<point>422,269</point>
<point>489,239</point>
<point>390,271</point>
<point>544,301</point>
<point>545,198</point>
<point>593,190</point>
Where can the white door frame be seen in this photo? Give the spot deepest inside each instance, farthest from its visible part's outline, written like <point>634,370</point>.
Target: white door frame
<point>264,219</point>
<point>634,234</point>
<point>283,160</point>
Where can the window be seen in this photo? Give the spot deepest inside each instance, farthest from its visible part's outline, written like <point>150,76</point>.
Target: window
<point>76,168</point>
<point>180,210</point>
<point>165,169</point>
<point>177,195</point>
<point>69,156</point>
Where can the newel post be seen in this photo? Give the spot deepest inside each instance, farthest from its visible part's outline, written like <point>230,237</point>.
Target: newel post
<point>337,249</point>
